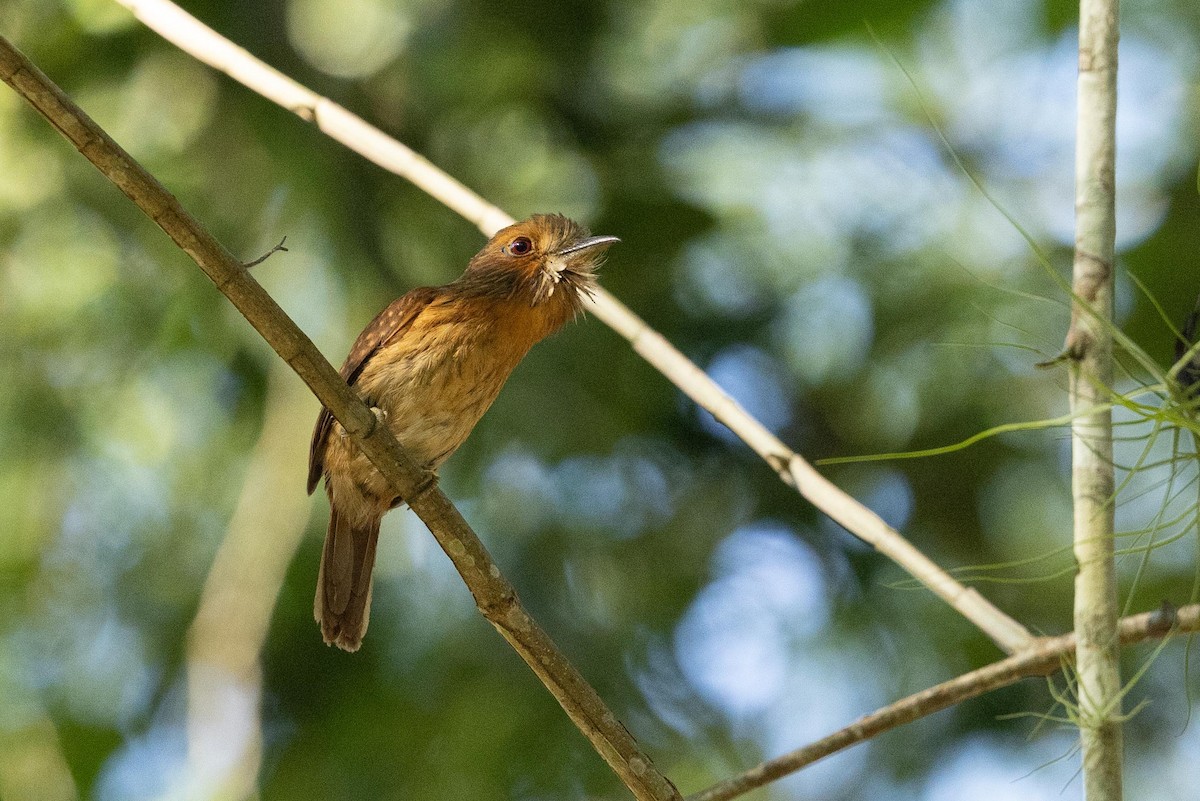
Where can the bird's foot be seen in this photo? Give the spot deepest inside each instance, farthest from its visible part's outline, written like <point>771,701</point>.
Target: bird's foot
<point>381,416</point>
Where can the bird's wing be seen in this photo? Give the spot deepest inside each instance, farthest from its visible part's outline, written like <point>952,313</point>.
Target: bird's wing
<point>387,325</point>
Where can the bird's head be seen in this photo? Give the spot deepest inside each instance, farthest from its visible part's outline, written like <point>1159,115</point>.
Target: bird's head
<point>546,259</point>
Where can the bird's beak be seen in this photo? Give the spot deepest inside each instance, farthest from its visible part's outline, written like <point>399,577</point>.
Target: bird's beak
<point>586,244</point>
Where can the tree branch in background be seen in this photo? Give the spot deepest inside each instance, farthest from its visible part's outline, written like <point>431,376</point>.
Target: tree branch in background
<point>32,762</point>
<point>205,44</point>
<point>1047,656</point>
<point>224,672</point>
<point>1089,347</point>
<point>493,594</point>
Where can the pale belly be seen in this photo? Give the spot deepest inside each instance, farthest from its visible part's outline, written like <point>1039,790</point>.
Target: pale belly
<point>431,401</point>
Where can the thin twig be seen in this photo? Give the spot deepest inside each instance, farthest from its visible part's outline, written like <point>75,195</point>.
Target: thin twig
<point>205,44</point>
<point>493,594</point>
<point>277,249</point>
<point>1043,658</point>
<point>1089,343</point>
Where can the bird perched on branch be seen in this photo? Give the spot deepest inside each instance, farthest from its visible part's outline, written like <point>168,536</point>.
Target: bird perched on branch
<point>431,364</point>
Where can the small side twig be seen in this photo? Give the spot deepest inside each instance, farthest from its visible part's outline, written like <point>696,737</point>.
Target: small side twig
<point>494,595</point>
<point>205,44</point>
<point>1045,657</point>
<point>277,249</point>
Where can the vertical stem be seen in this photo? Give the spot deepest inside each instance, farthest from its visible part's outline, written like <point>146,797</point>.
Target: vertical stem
<point>1089,343</point>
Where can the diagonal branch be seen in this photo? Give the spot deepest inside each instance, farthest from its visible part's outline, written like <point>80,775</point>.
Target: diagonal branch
<point>1045,657</point>
<point>205,44</point>
<point>494,595</point>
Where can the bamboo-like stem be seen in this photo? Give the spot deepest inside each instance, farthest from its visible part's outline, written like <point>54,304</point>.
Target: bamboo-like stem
<point>494,595</point>
<point>1043,658</point>
<point>205,44</point>
<point>1089,346</point>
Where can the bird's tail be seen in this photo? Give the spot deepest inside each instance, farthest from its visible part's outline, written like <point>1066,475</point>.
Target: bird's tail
<point>343,602</point>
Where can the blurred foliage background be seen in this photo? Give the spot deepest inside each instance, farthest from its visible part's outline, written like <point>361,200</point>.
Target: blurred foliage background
<point>790,219</point>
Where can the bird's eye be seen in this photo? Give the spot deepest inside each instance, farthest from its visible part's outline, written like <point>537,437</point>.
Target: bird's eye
<point>520,246</point>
